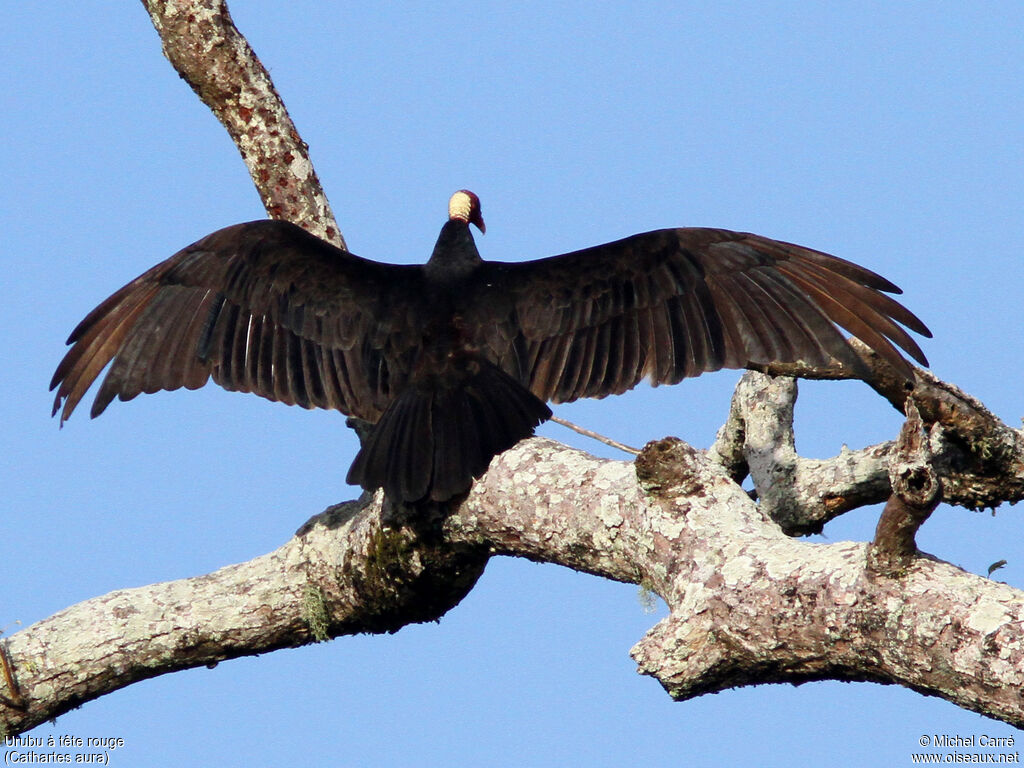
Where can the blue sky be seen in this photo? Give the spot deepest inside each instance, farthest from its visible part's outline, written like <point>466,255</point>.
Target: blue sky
<point>890,134</point>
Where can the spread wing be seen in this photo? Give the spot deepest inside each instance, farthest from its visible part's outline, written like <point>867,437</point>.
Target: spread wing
<point>675,303</point>
<point>263,307</point>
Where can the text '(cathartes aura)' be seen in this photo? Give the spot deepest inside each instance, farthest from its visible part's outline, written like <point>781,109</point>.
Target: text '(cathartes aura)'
<point>454,360</point>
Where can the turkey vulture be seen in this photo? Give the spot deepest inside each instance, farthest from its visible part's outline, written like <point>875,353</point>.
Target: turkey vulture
<point>453,361</point>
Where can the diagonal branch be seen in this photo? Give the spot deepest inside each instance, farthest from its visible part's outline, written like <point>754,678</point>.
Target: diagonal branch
<point>344,574</point>
<point>201,42</point>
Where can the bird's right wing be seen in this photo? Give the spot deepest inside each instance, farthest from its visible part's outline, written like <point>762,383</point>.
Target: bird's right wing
<point>675,303</point>
<point>262,307</point>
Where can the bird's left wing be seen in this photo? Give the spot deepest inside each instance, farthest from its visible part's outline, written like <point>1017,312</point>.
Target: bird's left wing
<point>262,307</point>
<point>674,303</point>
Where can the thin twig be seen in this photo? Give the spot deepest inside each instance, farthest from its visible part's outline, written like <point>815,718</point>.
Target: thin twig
<point>601,438</point>
<point>16,700</point>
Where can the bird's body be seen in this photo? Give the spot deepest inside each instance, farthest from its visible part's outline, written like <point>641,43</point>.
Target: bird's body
<point>453,360</point>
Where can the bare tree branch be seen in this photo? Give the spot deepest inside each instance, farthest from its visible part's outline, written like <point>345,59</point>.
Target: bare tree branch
<point>916,491</point>
<point>980,459</point>
<point>749,605</point>
<point>800,494</point>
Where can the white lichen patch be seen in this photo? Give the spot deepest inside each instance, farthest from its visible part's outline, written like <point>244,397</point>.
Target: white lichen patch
<point>739,570</point>
<point>841,564</point>
<point>670,529</point>
<point>845,598</point>
<point>610,475</point>
<point>695,600</point>
<point>608,512</point>
<point>249,99</point>
<point>301,168</point>
<point>526,478</point>
<point>706,566</point>
<point>986,616</point>
<point>931,627</point>
<point>782,556</point>
<point>512,459</point>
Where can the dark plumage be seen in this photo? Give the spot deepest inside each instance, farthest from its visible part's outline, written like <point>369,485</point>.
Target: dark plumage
<point>453,360</point>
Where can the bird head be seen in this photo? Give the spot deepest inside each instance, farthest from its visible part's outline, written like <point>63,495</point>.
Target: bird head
<point>465,206</point>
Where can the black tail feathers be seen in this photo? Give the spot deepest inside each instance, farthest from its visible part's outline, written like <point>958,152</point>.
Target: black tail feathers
<point>435,438</point>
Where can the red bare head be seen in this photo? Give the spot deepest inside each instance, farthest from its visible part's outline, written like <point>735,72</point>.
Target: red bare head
<point>465,205</point>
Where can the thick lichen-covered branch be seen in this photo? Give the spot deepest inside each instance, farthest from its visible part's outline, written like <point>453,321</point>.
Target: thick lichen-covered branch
<point>754,606</point>
<point>979,458</point>
<point>343,573</point>
<point>748,603</point>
